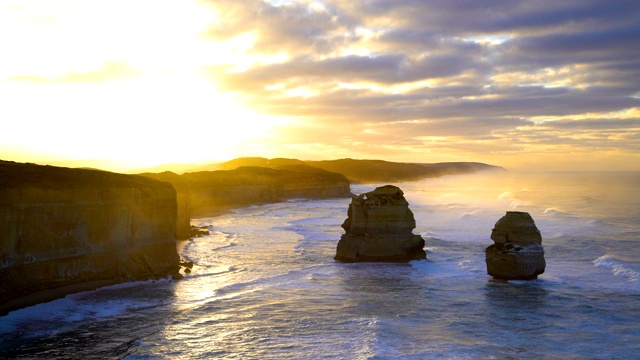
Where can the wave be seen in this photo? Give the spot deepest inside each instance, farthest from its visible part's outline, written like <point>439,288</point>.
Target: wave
<point>511,200</point>
<point>554,211</point>
<point>472,265</point>
<point>470,215</point>
<point>618,267</point>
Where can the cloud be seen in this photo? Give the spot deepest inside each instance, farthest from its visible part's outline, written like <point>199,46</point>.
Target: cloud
<point>458,80</point>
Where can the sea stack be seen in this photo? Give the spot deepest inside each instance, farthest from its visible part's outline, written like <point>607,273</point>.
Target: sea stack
<point>517,252</point>
<point>379,229</point>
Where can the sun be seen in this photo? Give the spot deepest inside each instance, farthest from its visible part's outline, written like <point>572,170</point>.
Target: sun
<point>120,80</point>
<point>145,121</point>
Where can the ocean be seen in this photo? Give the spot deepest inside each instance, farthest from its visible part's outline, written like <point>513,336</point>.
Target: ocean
<point>265,285</point>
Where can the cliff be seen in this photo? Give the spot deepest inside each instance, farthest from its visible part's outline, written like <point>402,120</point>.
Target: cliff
<point>206,192</point>
<point>371,171</point>
<point>183,201</point>
<point>379,228</point>
<point>60,227</point>
<point>252,185</point>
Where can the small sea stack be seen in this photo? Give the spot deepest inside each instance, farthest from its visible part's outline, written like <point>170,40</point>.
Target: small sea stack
<point>517,252</point>
<point>379,229</point>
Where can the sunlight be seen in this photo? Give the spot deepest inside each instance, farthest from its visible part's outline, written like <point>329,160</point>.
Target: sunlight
<point>488,40</point>
<point>77,35</point>
<point>145,121</point>
<point>124,81</point>
<point>567,76</point>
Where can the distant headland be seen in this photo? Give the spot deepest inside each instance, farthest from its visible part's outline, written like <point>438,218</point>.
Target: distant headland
<point>357,171</point>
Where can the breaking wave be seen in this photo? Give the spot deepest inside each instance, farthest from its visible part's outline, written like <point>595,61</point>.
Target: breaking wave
<point>618,267</point>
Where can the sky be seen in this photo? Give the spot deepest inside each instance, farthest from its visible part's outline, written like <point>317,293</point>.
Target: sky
<point>124,84</point>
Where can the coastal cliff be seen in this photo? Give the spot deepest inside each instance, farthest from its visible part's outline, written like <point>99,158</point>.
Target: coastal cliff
<point>61,227</point>
<point>207,192</point>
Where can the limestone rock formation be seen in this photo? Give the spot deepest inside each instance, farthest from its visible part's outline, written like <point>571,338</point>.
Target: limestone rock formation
<point>517,252</point>
<point>208,192</point>
<point>379,228</point>
<point>62,227</point>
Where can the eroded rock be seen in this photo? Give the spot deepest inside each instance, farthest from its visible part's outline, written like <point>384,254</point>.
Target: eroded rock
<point>61,228</point>
<point>517,252</point>
<point>379,228</point>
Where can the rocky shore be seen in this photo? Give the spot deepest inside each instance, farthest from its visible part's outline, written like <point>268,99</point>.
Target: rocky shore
<point>67,230</point>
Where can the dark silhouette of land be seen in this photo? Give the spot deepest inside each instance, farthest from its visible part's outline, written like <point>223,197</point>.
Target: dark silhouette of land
<point>209,193</point>
<point>371,171</point>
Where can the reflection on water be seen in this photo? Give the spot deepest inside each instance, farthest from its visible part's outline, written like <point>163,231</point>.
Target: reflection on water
<point>265,284</point>
<point>515,294</point>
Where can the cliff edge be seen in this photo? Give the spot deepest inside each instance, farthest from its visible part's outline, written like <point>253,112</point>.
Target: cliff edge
<point>62,227</point>
<point>204,193</point>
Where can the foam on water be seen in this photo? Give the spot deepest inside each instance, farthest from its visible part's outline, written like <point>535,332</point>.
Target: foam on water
<point>265,285</point>
<point>617,267</point>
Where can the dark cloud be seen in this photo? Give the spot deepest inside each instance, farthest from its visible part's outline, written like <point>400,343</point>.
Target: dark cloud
<point>478,70</point>
<point>591,47</point>
<point>594,124</point>
<point>466,17</point>
<point>384,69</point>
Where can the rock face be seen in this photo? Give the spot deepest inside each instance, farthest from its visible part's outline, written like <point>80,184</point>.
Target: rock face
<point>517,252</point>
<point>61,227</point>
<point>379,228</point>
<point>203,192</point>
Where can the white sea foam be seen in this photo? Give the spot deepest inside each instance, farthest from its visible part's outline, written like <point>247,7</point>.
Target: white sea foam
<point>553,211</point>
<point>439,267</point>
<point>472,265</point>
<point>512,202</point>
<point>470,215</point>
<point>277,291</point>
<point>618,267</point>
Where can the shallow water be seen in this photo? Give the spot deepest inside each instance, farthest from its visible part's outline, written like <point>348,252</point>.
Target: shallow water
<point>265,284</point>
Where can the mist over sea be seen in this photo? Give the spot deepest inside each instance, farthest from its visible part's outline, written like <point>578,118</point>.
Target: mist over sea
<point>265,285</point>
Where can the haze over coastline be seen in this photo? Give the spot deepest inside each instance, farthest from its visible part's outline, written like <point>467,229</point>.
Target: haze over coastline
<point>122,85</point>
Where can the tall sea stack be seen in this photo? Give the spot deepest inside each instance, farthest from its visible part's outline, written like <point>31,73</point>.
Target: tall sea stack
<point>379,228</point>
<point>517,252</point>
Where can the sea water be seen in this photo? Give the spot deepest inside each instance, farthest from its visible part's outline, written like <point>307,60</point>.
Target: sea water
<point>265,285</point>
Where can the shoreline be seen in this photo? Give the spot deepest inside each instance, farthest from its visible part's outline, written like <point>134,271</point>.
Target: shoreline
<point>48,295</point>
<point>214,212</point>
